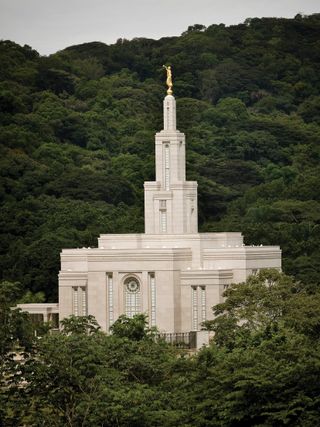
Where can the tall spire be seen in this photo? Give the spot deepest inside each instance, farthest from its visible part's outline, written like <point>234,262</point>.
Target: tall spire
<point>170,201</point>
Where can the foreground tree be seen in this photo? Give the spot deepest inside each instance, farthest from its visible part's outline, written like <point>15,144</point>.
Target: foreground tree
<point>85,377</point>
<point>262,367</point>
<point>266,300</point>
<point>16,329</point>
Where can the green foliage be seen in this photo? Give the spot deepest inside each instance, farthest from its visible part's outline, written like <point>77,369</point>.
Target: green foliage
<point>260,369</point>
<point>134,329</point>
<point>266,300</point>
<point>79,325</point>
<point>262,365</point>
<point>16,330</point>
<point>77,378</point>
<point>76,140</point>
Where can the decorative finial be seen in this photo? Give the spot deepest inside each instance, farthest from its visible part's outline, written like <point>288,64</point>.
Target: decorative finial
<point>169,79</point>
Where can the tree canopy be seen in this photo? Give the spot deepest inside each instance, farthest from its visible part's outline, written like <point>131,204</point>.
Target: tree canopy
<point>261,368</point>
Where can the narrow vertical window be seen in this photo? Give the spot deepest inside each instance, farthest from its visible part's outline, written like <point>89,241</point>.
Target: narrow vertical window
<point>110,299</point>
<point>152,299</point>
<point>180,161</point>
<point>166,125</point>
<point>203,303</point>
<point>132,296</point>
<point>84,301</point>
<point>75,301</point>
<point>166,167</point>
<point>194,304</point>
<point>163,216</point>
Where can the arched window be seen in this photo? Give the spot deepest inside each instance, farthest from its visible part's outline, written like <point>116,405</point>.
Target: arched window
<point>132,294</point>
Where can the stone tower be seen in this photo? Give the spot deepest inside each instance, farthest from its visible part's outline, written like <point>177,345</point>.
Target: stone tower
<point>170,200</point>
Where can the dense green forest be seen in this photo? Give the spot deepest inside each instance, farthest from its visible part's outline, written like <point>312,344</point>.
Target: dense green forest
<point>77,140</point>
<point>261,369</point>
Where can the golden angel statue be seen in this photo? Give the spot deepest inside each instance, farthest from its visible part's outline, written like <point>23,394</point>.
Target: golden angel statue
<point>169,79</point>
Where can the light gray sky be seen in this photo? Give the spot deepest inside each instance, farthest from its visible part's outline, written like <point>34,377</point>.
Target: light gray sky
<point>51,25</point>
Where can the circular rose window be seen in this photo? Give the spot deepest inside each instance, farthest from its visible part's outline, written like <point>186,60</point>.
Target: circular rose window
<point>132,285</point>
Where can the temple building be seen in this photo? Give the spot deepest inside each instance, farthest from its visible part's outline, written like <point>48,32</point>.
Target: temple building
<point>172,272</point>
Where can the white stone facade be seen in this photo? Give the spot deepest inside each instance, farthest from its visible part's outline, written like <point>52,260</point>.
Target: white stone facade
<point>42,312</point>
<point>172,273</point>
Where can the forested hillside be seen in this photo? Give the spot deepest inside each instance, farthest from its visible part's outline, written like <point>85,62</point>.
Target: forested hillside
<point>77,140</point>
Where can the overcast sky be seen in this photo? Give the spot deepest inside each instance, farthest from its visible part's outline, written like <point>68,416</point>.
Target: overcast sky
<point>51,25</point>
